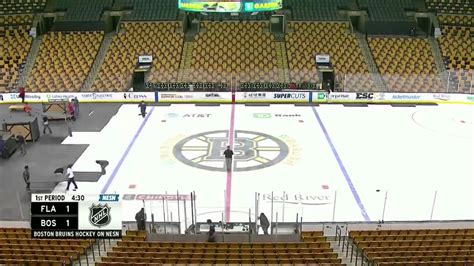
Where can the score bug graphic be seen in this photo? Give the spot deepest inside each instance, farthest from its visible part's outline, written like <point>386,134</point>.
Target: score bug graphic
<point>76,216</point>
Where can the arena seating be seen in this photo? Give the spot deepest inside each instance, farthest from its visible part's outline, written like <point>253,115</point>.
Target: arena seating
<point>83,10</point>
<point>333,38</point>
<point>64,61</point>
<point>406,64</point>
<point>135,250</point>
<point>451,6</point>
<point>151,10</point>
<point>21,7</point>
<point>457,49</point>
<point>387,10</point>
<point>15,43</point>
<point>160,39</point>
<point>316,9</point>
<point>429,246</point>
<point>456,20</point>
<point>12,20</point>
<point>16,246</point>
<point>242,51</point>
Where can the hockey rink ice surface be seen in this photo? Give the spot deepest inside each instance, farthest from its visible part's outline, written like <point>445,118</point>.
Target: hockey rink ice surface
<point>324,163</point>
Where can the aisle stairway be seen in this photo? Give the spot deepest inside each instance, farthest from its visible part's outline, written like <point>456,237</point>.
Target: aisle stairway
<point>282,61</point>
<point>185,64</point>
<point>99,59</point>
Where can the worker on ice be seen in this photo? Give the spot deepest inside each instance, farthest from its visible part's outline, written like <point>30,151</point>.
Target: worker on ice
<point>228,153</point>
<point>264,223</point>
<point>142,107</point>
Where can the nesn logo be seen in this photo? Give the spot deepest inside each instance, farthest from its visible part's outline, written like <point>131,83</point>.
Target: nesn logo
<point>108,197</point>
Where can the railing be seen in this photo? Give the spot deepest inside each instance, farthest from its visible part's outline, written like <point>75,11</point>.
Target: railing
<point>451,81</point>
<point>343,239</point>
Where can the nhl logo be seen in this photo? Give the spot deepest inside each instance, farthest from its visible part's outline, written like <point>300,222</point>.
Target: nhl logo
<point>99,215</point>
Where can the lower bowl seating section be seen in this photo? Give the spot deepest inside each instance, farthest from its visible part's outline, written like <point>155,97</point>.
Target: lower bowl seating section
<point>21,6</point>
<point>64,61</point>
<point>15,44</point>
<point>457,49</point>
<point>151,10</point>
<point>305,10</point>
<point>333,38</point>
<point>393,10</point>
<point>406,64</point>
<point>13,20</point>
<point>83,10</point>
<point>159,39</point>
<point>316,251</point>
<point>17,247</point>
<point>410,247</point>
<point>451,6</point>
<point>242,51</point>
<point>456,20</point>
<point>313,236</point>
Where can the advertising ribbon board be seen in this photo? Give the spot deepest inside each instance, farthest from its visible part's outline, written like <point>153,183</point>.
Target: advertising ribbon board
<point>186,97</point>
<point>86,97</point>
<point>283,96</point>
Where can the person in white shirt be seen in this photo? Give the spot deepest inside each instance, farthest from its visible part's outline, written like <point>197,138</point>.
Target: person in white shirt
<point>70,177</point>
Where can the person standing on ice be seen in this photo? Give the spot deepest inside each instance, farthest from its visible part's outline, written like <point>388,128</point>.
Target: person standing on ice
<point>228,153</point>
<point>142,107</point>
<point>264,223</point>
<point>140,218</point>
<point>26,177</point>
<point>70,177</point>
<point>211,234</point>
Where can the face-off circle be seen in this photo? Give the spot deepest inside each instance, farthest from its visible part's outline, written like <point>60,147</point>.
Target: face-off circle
<point>457,123</point>
<point>252,150</point>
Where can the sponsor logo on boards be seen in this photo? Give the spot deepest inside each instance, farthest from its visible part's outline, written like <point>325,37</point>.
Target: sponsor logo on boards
<point>134,96</point>
<point>213,95</point>
<point>298,198</point>
<point>321,96</point>
<point>58,97</point>
<point>97,96</point>
<point>405,97</point>
<point>380,96</point>
<point>292,95</point>
<point>255,95</point>
<point>364,95</point>
<point>443,97</point>
<point>175,96</point>
<point>158,197</point>
<point>340,96</point>
<point>28,96</point>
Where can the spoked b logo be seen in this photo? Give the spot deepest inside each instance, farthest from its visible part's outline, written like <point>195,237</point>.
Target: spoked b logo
<point>252,150</point>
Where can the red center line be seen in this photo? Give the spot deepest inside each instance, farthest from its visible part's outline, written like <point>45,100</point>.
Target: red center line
<point>228,190</point>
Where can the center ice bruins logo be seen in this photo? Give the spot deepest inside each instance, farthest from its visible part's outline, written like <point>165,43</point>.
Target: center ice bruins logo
<point>99,215</point>
<point>252,150</point>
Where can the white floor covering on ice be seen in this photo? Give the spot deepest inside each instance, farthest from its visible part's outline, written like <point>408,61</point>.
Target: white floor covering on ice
<point>340,169</point>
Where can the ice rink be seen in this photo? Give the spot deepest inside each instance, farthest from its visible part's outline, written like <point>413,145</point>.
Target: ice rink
<point>324,163</point>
